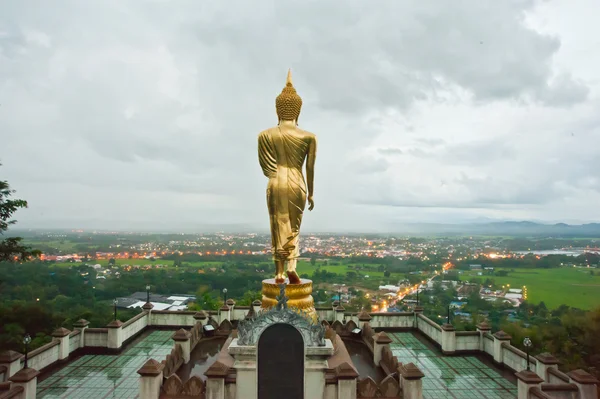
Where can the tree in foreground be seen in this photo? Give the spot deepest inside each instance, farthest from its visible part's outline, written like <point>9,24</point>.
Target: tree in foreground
<point>11,248</point>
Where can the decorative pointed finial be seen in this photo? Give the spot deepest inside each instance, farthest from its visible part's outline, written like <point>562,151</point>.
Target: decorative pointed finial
<point>288,81</point>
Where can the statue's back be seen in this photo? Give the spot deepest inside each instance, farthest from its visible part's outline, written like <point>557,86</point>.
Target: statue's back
<point>282,151</point>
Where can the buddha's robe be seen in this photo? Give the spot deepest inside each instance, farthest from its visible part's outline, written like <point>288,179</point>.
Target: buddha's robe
<point>282,152</point>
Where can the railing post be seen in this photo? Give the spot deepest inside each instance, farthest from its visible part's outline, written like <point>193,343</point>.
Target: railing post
<point>231,305</point>
<point>27,378</point>
<point>256,305</point>
<point>147,307</point>
<point>201,317</point>
<point>586,383</point>
<point>363,317</point>
<point>339,313</point>
<point>526,381</point>
<point>483,328</point>
<point>215,383</point>
<point>379,342</point>
<point>346,380</point>
<point>115,334</point>
<point>81,325</point>
<point>418,310</point>
<point>224,314</point>
<point>151,376</point>
<point>499,338</point>
<point>12,361</point>
<point>182,337</point>
<point>411,381</point>
<point>448,339</point>
<point>545,361</point>
<point>62,334</point>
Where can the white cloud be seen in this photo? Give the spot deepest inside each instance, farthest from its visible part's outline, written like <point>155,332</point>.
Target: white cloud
<point>122,114</point>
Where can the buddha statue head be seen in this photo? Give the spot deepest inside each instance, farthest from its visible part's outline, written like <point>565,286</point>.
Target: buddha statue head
<point>288,103</point>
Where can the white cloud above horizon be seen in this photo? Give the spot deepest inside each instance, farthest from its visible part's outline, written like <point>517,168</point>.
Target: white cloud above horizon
<point>125,114</point>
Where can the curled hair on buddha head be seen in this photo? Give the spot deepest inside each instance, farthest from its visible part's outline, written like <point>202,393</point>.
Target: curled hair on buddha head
<point>288,104</point>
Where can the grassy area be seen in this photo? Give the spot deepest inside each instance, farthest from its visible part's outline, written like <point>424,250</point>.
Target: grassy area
<point>65,245</point>
<point>303,266</point>
<point>570,286</point>
<point>142,262</point>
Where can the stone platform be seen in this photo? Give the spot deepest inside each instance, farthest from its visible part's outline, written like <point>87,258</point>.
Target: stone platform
<point>300,296</point>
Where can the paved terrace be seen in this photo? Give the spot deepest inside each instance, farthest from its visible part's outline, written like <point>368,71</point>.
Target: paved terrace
<point>451,376</point>
<point>106,376</point>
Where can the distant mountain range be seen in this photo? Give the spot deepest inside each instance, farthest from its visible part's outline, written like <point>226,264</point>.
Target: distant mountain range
<point>504,229</point>
<point>475,228</point>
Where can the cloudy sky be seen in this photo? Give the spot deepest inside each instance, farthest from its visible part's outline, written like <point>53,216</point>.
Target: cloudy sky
<point>144,114</point>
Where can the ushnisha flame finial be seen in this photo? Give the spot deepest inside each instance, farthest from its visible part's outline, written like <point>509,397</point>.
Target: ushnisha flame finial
<point>288,103</point>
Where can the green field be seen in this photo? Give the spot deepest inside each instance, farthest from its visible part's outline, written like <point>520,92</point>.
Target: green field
<point>570,286</point>
<point>141,262</point>
<point>65,246</point>
<point>303,267</point>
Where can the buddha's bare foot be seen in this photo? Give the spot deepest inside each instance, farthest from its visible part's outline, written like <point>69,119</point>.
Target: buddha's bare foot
<point>293,276</point>
<point>279,279</point>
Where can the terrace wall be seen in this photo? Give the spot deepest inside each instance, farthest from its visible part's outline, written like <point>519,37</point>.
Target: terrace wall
<point>175,319</point>
<point>240,312</point>
<point>467,340</point>
<point>488,344</point>
<point>326,314</point>
<point>74,340</point>
<point>557,377</point>
<point>134,325</point>
<point>392,320</point>
<point>429,328</point>
<point>516,359</point>
<point>95,337</point>
<point>44,356</point>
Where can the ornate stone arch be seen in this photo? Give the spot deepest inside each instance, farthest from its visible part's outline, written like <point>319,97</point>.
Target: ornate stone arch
<point>249,331</point>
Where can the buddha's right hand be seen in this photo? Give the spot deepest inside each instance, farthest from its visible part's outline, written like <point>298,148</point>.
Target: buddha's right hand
<point>311,203</point>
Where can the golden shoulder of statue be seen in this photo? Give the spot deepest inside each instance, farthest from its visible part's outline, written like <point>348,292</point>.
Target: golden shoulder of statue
<point>282,152</point>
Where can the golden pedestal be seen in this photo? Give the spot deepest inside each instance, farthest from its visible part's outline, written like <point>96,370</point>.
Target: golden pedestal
<point>299,296</point>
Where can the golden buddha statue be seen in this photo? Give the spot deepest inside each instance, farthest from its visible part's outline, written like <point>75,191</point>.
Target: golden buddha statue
<point>282,151</point>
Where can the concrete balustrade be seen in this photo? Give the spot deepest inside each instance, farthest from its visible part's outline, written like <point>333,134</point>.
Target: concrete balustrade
<point>544,366</point>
